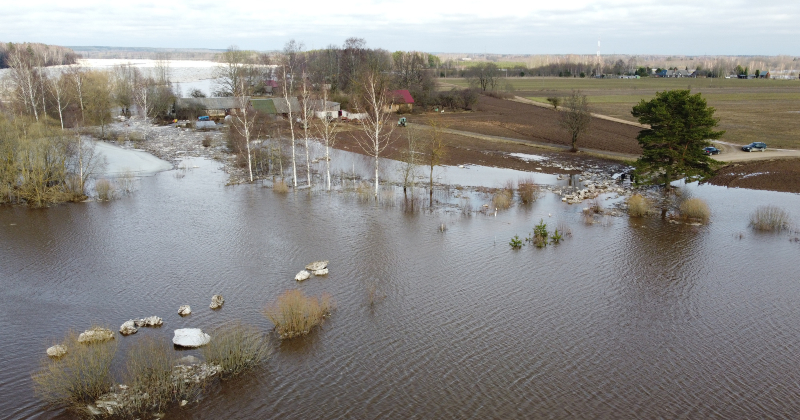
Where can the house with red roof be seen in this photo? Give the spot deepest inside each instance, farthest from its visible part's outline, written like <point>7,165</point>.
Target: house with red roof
<point>400,100</point>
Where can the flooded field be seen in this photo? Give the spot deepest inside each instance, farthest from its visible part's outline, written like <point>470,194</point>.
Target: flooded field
<point>631,318</point>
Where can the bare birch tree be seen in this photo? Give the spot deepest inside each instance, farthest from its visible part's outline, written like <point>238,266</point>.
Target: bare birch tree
<point>244,121</point>
<point>290,52</point>
<point>58,86</point>
<point>306,111</point>
<point>326,130</point>
<point>435,149</point>
<point>23,74</point>
<point>374,103</point>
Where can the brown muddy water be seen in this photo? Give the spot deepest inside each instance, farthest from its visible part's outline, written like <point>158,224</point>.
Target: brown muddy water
<point>627,319</point>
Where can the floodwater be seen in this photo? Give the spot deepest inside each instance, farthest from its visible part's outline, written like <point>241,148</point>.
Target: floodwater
<point>625,319</point>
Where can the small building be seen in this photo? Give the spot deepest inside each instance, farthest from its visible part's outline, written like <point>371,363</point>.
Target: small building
<point>400,99</point>
<point>213,107</point>
<point>279,107</point>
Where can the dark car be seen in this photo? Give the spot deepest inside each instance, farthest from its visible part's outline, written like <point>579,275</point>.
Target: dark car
<point>711,151</point>
<point>759,146</point>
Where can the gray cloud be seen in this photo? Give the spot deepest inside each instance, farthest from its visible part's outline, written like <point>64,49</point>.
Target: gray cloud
<point>646,26</point>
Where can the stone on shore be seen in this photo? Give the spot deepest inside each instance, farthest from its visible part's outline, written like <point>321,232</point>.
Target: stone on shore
<point>303,275</point>
<point>190,337</point>
<point>96,334</point>
<point>317,265</point>
<point>128,327</point>
<point>217,301</point>
<point>57,351</point>
<point>184,310</point>
<point>323,272</point>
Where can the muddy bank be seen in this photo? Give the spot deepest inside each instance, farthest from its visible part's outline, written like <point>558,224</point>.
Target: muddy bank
<point>781,175</point>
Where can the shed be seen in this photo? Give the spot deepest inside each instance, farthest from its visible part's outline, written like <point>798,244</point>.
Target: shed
<point>213,107</point>
<point>400,98</point>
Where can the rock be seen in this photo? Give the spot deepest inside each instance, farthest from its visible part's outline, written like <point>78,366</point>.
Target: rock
<point>217,301</point>
<point>57,351</point>
<point>323,272</point>
<point>317,265</point>
<point>190,337</point>
<point>151,321</point>
<point>184,402</point>
<point>96,334</point>
<point>188,360</point>
<point>128,328</point>
<point>303,275</point>
<point>184,310</point>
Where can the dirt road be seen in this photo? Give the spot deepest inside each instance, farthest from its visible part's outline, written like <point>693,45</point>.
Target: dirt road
<point>734,153</point>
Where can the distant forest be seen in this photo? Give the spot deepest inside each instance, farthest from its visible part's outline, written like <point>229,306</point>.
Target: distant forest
<point>139,53</point>
<point>45,55</point>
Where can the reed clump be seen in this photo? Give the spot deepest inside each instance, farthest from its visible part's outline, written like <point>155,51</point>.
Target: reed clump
<point>149,375</point>
<point>79,376</point>
<point>280,187</point>
<point>769,219</point>
<point>105,189</point>
<point>295,314</point>
<point>638,206</point>
<point>694,209</point>
<point>237,348</point>
<point>528,190</point>
<point>502,199</point>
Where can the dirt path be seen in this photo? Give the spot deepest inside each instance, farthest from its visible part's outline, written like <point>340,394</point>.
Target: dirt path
<point>520,99</point>
<point>734,153</point>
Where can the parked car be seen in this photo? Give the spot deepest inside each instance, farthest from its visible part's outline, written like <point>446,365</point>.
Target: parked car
<point>711,150</point>
<point>759,146</point>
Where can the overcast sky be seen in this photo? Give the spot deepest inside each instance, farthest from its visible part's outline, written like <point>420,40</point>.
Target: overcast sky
<point>693,27</point>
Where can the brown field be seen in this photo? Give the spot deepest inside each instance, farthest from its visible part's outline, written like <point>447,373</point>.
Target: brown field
<point>749,110</point>
<point>504,118</point>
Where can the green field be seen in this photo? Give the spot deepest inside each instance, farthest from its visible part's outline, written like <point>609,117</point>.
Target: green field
<point>749,110</point>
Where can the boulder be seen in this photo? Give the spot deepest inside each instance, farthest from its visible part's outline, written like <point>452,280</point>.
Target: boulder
<point>317,265</point>
<point>95,334</point>
<point>323,272</point>
<point>128,327</point>
<point>303,275</point>
<point>57,351</point>
<point>217,301</point>
<point>190,337</point>
<point>184,310</point>
<point>151,321</point>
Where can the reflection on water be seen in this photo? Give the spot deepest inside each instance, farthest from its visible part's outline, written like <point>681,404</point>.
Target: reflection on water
<point>635,319</point>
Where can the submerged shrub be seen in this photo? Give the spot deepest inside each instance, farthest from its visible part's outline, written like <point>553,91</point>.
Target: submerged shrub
<point>295,314</point>
<point>528,191</point>
<point>769,218</point>
<point>79,376</point>
<point>638,206</point>
<point>280,187</point>
<point>695,209</point>
<point>516,242</point>
<point>104,189</point>
<point>149,375</point>
<point>237,348</point>
<point>502,200</point>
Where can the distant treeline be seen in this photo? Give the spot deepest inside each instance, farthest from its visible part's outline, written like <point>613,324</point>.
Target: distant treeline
<point>44,55</point>
<point>133,53</point>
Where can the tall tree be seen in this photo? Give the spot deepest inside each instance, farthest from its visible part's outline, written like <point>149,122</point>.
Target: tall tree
<point>291,52</point>
<point>681,126</point>
<point>244,121</point>
<point>575,116</point>
<point>434,148</point>
<point>326,130</point>
<point>374,102</point>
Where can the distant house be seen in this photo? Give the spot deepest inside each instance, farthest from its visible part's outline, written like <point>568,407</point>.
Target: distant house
<point>278,107</point>
<point>213,107</point>
<point>399,99</point>
<point>764,75</point>
<point>676,73</point>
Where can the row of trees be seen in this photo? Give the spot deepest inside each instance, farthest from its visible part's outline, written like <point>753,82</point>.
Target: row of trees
<point>44,55</point>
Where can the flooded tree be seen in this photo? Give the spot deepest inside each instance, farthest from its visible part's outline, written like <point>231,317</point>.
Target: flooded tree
<point>435,149</point>
<point>373,104</point>
<point>326,130</point>
<point>681,126</point>
<point>289,64</point>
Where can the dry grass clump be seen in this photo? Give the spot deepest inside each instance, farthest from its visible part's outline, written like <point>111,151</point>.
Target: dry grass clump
<point>694,209</point>
<point>207,141</point>
<point>528,190</point>
<point>237,348</point>
<point>80,376</point>
<point>105,189</point>
<point>280,187</point>
<point>769,219</point>
<point>149,374</point>
<point>638,206</point>
<point>295,314</point>
<point>502,199</point>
